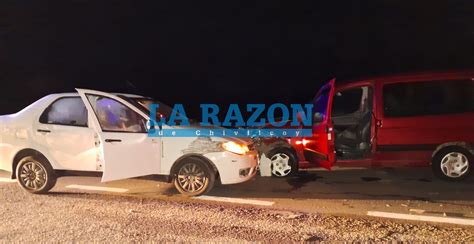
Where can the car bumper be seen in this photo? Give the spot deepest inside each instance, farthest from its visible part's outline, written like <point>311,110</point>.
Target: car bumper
<point>234,168</point>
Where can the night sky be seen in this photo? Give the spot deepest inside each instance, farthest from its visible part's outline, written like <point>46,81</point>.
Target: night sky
<point>222,52</point>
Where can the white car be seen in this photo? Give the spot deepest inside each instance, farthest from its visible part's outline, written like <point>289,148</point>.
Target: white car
<point>92,131</point>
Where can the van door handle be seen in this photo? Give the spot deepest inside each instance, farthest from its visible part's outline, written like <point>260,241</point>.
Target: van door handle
<point>378,123</point>
<point>112,140</point>
<point>43,131</point>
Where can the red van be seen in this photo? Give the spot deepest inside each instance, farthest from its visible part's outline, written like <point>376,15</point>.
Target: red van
<point>405,120</point>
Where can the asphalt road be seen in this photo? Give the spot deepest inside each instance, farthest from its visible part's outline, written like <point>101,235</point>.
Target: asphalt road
<point>314,205</point>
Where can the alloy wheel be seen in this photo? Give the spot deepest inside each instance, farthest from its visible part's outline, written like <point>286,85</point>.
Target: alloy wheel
<point>33,175</point>
<point>191,177</point>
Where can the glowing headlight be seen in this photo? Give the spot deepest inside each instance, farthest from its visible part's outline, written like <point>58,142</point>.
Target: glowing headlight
<point>235,147</point>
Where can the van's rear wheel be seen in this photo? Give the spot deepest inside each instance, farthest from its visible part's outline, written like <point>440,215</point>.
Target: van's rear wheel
<point>452,163</point>
<point>35,175</point>
<point>194,177</point>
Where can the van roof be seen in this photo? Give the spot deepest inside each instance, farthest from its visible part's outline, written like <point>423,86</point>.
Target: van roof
<point>449,74</point>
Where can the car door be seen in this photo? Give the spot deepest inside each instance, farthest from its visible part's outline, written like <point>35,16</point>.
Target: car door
<point>62,128</point>
<point>319,148</point>
<point>127,150</point>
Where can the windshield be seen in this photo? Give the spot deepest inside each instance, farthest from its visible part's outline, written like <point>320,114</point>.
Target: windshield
<point>163,109</point>
<point>143,103</point>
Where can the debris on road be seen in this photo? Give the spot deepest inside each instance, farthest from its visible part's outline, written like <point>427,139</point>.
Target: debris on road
<point>264,166</point>
<point>418,211</point>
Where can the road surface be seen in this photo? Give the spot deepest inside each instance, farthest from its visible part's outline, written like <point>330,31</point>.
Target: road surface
<point>315,205</point>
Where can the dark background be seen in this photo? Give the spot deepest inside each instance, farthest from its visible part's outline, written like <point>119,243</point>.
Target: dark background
<point>222,52</point>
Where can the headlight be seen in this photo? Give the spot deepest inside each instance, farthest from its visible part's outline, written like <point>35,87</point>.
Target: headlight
<point>235,147</point>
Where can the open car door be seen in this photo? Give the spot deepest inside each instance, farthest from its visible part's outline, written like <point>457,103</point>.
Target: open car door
<point>121,129</point>
<point>319,149</point>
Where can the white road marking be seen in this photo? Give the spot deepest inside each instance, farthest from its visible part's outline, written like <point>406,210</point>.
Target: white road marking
<point>235,200</point>
<point>7,180</point>
<point>449,220</point>
<point>97,188</point>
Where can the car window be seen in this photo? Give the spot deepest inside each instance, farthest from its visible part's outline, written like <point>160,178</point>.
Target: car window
<point>66,111</point>
<point>428,98</point>
<point>320,102</point>
<point>347,101</point>
<point>114,116</point>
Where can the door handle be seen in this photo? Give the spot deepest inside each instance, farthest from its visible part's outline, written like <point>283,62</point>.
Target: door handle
<point>43,131</point>
<point>113,140</point>
<point>379,123</point>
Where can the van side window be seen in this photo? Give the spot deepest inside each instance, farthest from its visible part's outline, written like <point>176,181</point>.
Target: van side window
<point>428,98</point>
<point>66,111</point>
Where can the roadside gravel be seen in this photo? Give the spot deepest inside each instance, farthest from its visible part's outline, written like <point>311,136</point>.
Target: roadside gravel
<point>61,217</point>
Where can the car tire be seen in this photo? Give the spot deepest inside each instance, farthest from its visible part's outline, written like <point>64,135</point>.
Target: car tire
<point>194,177</point>
<point>452,163</point>
<point>283,162</point>
<point>35,175</point>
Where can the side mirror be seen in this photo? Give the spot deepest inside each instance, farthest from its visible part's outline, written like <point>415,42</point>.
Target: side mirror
<point>318,118</point>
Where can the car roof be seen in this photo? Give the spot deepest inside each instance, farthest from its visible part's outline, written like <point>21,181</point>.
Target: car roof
<point>66,94</point>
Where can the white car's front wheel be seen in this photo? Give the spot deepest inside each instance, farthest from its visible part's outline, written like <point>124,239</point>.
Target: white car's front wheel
<point>35,175</point>
<point>194,177</point>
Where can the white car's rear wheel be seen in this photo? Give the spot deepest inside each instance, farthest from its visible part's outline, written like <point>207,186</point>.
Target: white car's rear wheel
<point>194,177</point>
<point>35,175</point>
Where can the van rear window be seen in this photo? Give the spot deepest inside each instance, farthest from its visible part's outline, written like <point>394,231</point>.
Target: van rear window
<point>428,98</point>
